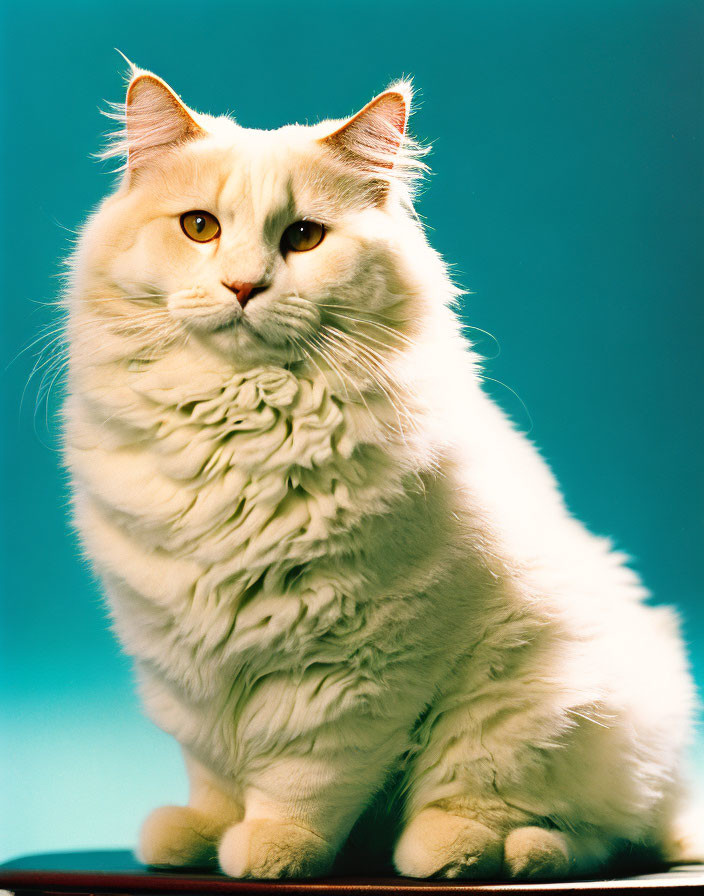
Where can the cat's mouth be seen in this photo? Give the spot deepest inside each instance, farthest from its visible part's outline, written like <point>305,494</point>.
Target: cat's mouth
<point>217,322</point>
<point>199,310</point>
<point>227,325</point>
<point>237,326</point>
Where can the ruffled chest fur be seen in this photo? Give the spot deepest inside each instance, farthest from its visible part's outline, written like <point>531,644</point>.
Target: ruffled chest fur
<point>227,515</point>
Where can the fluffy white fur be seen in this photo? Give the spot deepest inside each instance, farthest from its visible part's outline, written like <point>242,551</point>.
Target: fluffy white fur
<point>334,560</point>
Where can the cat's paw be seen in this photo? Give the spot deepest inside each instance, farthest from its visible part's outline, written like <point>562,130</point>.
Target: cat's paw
<point>268,848</point>
<point>533,853</point>
<point>438,844</point>
<point>177,835</point>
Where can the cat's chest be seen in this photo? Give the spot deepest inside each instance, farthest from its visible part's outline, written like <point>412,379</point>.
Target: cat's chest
<point>222,520</point>
<point>245,465</point>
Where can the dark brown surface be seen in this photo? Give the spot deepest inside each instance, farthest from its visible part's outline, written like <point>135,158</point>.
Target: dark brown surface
<point>116,872</point>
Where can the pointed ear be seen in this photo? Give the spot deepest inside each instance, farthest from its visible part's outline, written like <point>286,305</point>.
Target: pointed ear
<point>155,119</point>
<point>371,139</point>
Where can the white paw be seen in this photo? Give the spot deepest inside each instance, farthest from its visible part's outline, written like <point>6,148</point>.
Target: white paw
<point>177,835</point>
<point>438,844</point>
<point>536,853</point>
<point>266,848</point>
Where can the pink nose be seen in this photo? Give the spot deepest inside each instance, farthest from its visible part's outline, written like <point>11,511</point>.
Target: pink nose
<point>244,291</point>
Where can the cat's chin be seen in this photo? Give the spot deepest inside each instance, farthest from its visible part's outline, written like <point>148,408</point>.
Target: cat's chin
<point>244,344</point>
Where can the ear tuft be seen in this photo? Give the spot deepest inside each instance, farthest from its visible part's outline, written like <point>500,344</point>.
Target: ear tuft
<point>134,69</point>
<point>153,119</point>
<point>375,141</point>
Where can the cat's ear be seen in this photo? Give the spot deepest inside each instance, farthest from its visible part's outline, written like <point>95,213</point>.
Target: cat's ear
<point>373,136</point>
<point>153,119</point>
<point>375,141</point>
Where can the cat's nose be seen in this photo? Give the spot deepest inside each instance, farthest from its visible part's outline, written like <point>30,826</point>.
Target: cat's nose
<point>244,291</point>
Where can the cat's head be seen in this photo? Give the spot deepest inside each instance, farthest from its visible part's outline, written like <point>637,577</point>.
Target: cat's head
<point>260,245</point>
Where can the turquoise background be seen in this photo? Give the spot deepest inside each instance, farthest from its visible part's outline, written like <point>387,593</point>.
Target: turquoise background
<point>567,194</point>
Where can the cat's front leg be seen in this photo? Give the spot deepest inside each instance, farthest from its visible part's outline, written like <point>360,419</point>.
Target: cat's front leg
<point>444,841</point>
<point>293,824</point>
<point>299,811</point>
<point>482,794</point>
<point>275,846</point>
<point>189,836</point>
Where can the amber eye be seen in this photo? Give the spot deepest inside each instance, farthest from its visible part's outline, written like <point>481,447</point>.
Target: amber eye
<point>302,236</point>
<point>200,226</point>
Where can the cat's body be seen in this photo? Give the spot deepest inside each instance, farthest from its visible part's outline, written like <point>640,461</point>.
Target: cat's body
<point>334,560</point>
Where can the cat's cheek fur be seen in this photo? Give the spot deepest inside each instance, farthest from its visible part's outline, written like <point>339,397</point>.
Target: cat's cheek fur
<point>335,570</point>
<point>319,272</point>
<point>331,272</point>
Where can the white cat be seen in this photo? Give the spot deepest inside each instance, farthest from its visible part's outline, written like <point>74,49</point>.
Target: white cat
<point>334,560</point>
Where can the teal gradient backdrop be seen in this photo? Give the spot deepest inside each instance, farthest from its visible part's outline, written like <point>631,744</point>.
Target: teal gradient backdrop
<point>567,193</point>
